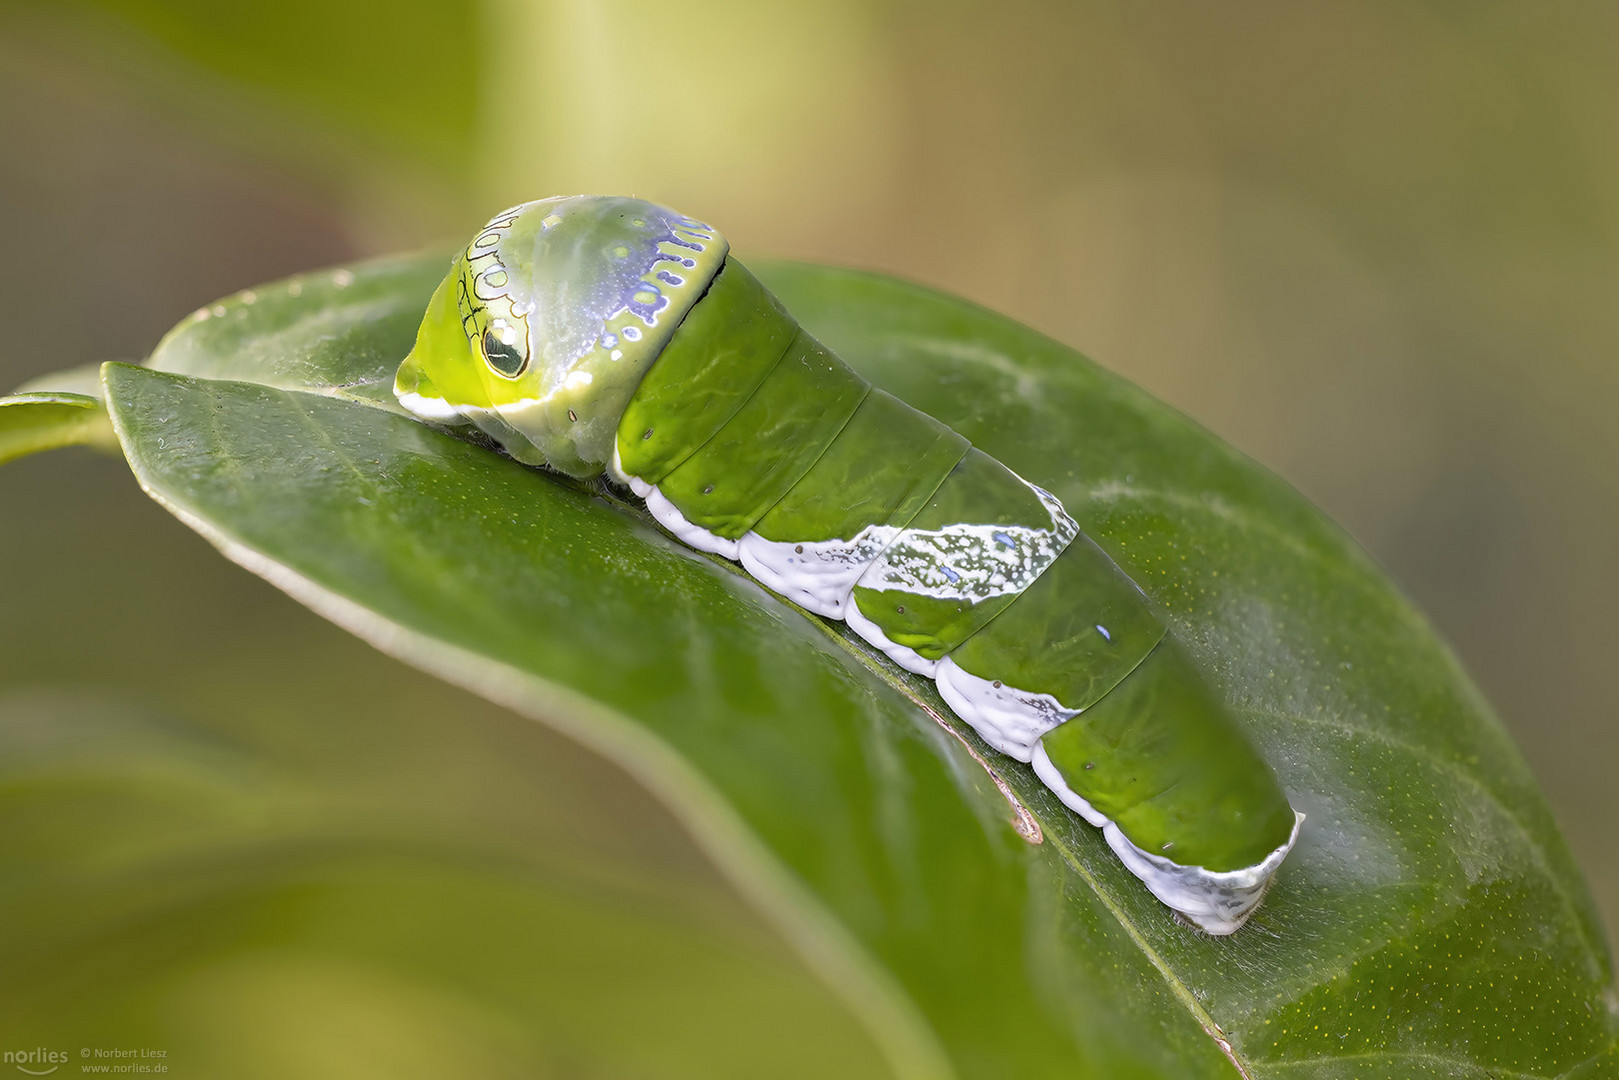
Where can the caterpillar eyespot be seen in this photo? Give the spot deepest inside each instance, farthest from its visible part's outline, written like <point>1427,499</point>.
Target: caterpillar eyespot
<point>503,358</point>
<point>660,361</point>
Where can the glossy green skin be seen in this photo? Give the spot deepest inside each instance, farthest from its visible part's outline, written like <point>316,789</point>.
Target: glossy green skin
<point>981,490</point>
<point>850,487</point>
<point>726,347</point>
<point>1159,755</point>
<point>1082,590</point>
<point>718,398</point>
<point>761,453</point>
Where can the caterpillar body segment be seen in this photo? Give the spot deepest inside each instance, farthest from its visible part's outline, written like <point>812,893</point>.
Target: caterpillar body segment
<point>749,439</point>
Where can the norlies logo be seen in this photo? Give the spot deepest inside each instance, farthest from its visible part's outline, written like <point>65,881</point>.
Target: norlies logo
<point>36,1062</point>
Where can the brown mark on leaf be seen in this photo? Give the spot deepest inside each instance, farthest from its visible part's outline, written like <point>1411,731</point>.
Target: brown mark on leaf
<point>1022,821</point>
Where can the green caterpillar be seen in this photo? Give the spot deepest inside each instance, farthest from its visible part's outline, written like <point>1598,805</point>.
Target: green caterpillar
<point>593,334</point>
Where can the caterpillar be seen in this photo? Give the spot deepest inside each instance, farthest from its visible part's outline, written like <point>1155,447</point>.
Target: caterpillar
<point>596,334</point>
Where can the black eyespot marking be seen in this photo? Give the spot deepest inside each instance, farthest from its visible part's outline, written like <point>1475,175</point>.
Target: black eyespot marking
<point>503,358</point>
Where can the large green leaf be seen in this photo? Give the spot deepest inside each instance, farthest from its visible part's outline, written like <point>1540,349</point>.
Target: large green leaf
<point>1428,924</point>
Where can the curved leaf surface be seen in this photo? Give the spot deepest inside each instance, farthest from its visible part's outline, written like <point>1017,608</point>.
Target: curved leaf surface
<point>1428,924</point>
<point>31,422</point>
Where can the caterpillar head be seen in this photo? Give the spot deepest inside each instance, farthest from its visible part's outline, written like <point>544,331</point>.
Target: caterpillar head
<point>549,318</point>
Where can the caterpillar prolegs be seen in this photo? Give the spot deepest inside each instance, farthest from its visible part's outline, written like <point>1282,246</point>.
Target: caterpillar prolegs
<point>594,334</point>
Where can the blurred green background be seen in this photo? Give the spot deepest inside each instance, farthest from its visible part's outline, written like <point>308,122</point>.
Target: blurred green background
<point>1374,245</point>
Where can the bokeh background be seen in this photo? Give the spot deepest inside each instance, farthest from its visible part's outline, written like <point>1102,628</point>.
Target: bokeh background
<point>1374,244</point>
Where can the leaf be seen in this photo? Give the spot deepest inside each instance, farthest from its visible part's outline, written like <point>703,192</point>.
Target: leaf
<point>31,422</point>
<point>1429,923</point>
<point>186,886</point>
